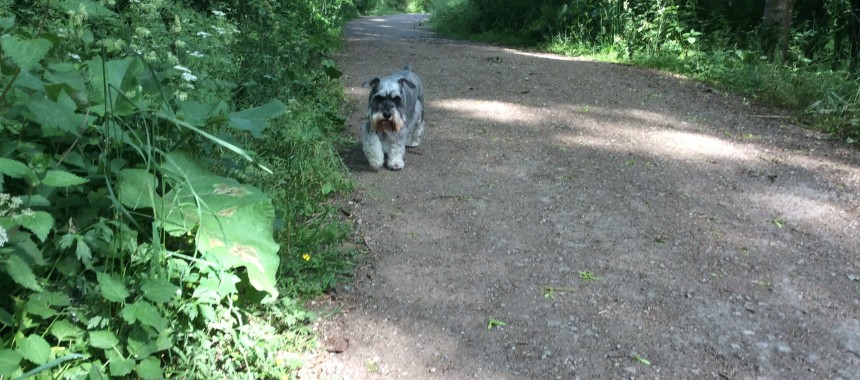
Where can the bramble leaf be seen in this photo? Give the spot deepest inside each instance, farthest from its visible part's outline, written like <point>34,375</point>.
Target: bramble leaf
<point>35,349</point>
<point>59,178</point>
<point>21,273</point>
<point>159,291</point>
<point>112,288</point>
<point>10,361</point>
<point>103,339</point>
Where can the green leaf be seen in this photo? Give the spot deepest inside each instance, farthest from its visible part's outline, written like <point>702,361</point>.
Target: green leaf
<point>137,188</point>
<point>21,273</point>
<point>159,291</point>
<point>254,119</point>
<point>144,312</point>
<point>327,188</point>
<point>55,119</point>
<point>39,306</point>
<point>83,251</point>
<point>59,178</point>
<point>112,288</point>
<point>118,365</point>
<point>149,368</point>
<point>26,54</point>
<point>10,361</point>
<point>6,318</point>
<point>7,22</point>
<point>35,349</point>
<point>93,9</point>
<point>331,69</point>
<point>39,222</point>
<point>14,169</point>
<point>103,339</point>
<point>65,330</point>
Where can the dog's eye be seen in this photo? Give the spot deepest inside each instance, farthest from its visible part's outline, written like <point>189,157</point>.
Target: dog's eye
<point>396,99</point>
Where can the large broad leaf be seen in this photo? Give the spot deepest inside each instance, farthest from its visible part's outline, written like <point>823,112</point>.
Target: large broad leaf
<point>103,339</point>
<point>118,365</point>
<point>65,330</point>
<point>254,119</point>
<point>59,178</point>
<point>159,291</point>
<point>117,77</point>
<point>144,312</point>
<point>35,349</point>
<point>26,54</point>
<point>137,188</point>
<point>10,361</point>
<point>149,368</point>
<point>39,222</point>
<point>21,273</point>
<point>112,288</point>
<point>233,221</point>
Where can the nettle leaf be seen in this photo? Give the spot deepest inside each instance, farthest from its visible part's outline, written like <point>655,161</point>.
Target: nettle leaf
<point>35,349</point>
<point>60,178</point>
<point>254,119</point>
<point>103,339</point>
<point>65,330</point>
<point>159,291</point>
<point>21,273</point>
<point>112,288</point>
<point>137,188</point>
<point>149,368</point>
<point>26,54</point>
<point>15,169</point>
<point>118,365</point>
<point>10,361</point>
<point>39,222</point>
<point>83,251</point>
<point>144,312</point>
<point>53,117</point>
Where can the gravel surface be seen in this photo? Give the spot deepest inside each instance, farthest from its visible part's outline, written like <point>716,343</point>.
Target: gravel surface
<point>620,222</point>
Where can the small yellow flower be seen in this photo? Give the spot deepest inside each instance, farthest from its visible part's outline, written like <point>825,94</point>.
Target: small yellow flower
<point>307,257</point>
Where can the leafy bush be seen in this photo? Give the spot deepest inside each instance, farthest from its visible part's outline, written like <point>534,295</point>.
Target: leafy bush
<point>125,240</point>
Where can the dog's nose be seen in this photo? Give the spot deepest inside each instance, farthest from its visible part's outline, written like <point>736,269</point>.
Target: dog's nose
<point>386,115</point>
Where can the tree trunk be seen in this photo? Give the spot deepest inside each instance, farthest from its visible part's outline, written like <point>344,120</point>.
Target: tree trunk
<point>776,26</point>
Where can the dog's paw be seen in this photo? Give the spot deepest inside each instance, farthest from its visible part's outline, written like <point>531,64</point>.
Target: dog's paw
<point>396,164</point>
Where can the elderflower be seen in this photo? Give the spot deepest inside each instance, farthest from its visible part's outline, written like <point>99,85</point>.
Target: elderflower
<point>189,77</point>
<point>203,34</point>
<point>182,69</point>
<point>3,237</point>
<point>218,13</point>
<point>196,54</point>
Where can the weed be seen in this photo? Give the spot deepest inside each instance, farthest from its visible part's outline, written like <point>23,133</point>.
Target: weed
<point>495,323</point>
<point>588,276</point>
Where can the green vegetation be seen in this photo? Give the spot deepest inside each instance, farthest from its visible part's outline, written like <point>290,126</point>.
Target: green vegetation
<point>810,67</point>
<point>164,175</point>
<point>378,7</point>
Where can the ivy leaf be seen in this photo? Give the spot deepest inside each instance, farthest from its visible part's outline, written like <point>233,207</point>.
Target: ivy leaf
<point>35,349</point>
<point>26,54</point>
<point>149,368</point>
<point>103,339</point>
<point>21,272</point>
<point>112,288</point>
<point>10,361</point>
<point>40,222</point>
<point>254,119</point>
<point>159,291</point>
<point>59,178</point>
<point>14,169</point>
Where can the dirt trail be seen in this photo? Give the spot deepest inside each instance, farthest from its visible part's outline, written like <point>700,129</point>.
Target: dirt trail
<point>612,217</point>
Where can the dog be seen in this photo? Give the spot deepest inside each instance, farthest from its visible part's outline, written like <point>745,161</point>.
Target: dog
<point>395,118</point>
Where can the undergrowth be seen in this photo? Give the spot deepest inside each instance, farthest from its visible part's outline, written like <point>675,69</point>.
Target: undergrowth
<point>165,170</point>
<point>720,43</point>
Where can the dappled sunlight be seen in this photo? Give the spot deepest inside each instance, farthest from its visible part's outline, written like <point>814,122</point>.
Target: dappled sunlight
<point>546,55</point>
<point>808,209</point>
<point>490,110</point>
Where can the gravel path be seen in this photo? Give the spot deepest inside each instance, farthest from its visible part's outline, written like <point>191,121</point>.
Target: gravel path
<point>622,223</point>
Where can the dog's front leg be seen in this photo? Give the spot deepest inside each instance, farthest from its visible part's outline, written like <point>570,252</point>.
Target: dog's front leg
<point>372,148</point>
<point>395,154</point>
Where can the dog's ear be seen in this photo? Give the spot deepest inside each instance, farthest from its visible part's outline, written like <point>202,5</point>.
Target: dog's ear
<point>372,83</point>
<point>408,67</point>
<point>407,82</point>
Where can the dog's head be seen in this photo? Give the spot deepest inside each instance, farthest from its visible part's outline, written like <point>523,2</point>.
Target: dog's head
<point>387,102</point>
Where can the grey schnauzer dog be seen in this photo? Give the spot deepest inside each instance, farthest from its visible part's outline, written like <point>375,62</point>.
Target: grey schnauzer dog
<point>395,109</point>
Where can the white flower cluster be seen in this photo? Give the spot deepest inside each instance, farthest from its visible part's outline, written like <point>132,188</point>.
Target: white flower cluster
<point>9,207</point>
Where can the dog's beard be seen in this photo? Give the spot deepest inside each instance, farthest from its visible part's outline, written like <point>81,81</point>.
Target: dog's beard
<point>380,124</point>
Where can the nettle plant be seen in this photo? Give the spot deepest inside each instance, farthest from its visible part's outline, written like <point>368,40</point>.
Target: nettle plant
<point>114,238</point>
